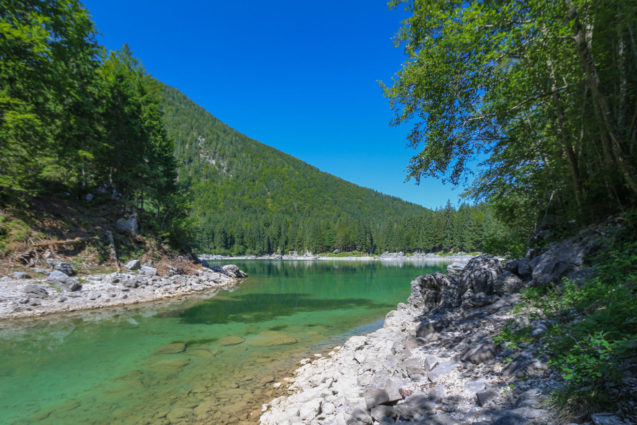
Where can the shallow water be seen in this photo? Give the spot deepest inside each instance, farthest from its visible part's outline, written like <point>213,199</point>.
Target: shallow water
<point>210,359</point>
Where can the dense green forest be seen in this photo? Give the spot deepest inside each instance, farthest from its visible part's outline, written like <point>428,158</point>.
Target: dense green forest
<point>75,120</point>
<point>248,198</point>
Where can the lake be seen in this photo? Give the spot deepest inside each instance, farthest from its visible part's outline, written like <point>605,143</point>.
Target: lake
<point>211,358</point>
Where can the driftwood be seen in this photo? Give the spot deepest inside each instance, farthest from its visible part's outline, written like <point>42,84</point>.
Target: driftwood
<point>68,243</point>
<point>53,245</point>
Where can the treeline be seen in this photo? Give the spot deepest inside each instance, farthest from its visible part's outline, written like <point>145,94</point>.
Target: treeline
<point>545,91</point>
<point>249,198</point>
<point>75,119</point>
<point>466,229</point>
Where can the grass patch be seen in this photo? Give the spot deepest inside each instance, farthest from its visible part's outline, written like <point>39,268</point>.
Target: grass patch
<point>592,334</point>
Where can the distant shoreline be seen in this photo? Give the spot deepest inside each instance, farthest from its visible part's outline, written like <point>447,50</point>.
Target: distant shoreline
<point>414,258</point>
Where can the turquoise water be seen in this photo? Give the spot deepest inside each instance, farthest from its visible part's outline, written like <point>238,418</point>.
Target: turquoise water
<point>206,359</point>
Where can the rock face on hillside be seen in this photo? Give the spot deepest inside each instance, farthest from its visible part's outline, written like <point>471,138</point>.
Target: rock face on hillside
<point>435,360</point>
<point>562,259</point>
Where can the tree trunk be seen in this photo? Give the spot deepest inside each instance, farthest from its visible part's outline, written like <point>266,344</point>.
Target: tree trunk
<point>568,151</point>
<point>583,38</point>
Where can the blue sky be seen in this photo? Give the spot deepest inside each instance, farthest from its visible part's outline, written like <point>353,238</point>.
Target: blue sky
<point>301,76</point>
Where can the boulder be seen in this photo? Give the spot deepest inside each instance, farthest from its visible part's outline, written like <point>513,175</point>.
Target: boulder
<point>507,283</point>
<point>133,265</point>
<point>606,419</point>
<point>434,290</point>
<point>479,354</point>
<point>148,271</point>
<point>564,258</point>
<point>520,267</point>
<point>128,223</point>
<point>131,282</point>
<point>61,266</point>
<point>416,407</point>
<point>480,274</point>
<point>193,257</point>
<point>386,391</point>
<point>482,397</point>
<point>21,275</point>
<point>35,291</point>
<point>455,267</point>
<point>218,269</point>
<point>63,281</point>
<point>414,368</point>
<point>233,271</point>
<point>381,412</point>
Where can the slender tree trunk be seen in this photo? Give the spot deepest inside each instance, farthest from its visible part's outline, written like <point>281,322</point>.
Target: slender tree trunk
<point>623,82</point>
<point>83,178</point>
<point>583,39</point>
<point>568,151</point>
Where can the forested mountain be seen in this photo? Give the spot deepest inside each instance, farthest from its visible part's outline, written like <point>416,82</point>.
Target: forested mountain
<point>250,198</point>
<point>75,122</point>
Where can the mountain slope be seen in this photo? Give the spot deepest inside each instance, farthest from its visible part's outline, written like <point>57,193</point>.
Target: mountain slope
<point>276,182</point>
<point>252,198</point>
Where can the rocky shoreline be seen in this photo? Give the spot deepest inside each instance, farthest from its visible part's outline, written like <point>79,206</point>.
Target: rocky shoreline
<point>23,298</point>
<point>436,361</point>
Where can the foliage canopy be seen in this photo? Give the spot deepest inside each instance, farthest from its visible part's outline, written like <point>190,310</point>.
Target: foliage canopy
<point>71,118</point>
<point>546,91</point>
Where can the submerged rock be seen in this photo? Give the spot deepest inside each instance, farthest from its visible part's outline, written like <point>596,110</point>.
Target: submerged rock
<point>272,338</point>
<point>174,348</point>
<point>231,340</point>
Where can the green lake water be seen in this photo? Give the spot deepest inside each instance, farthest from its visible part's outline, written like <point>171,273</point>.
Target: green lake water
<point>208,359</point>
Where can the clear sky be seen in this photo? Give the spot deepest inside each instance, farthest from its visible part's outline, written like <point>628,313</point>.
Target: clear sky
<point>301,76</point>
